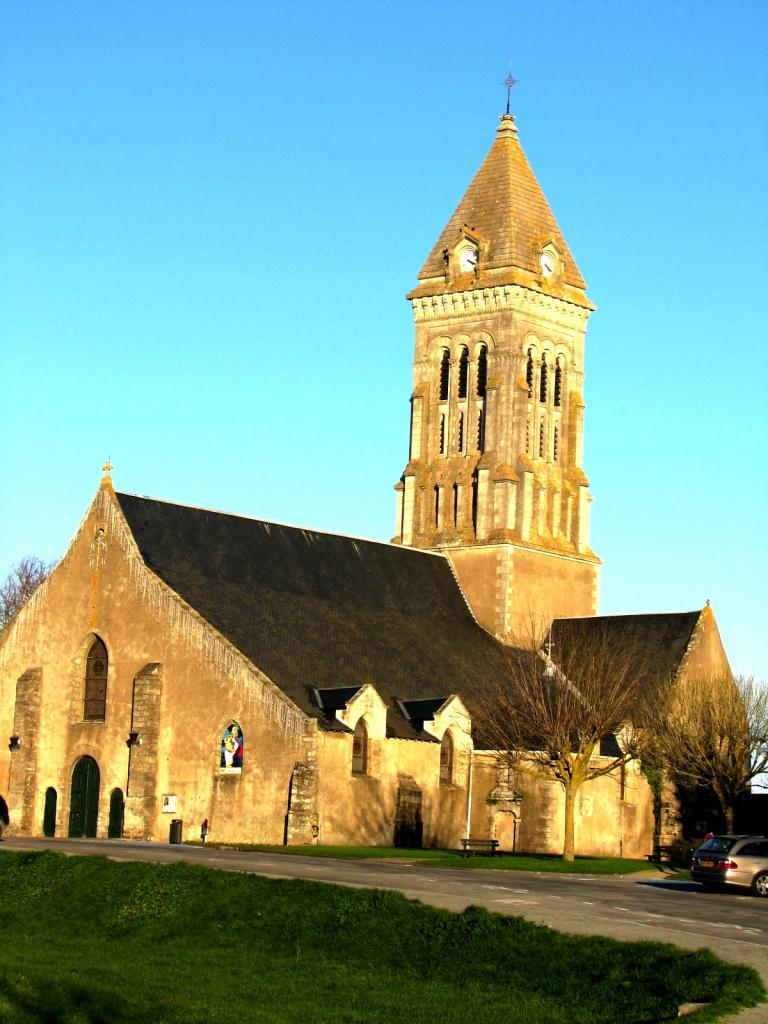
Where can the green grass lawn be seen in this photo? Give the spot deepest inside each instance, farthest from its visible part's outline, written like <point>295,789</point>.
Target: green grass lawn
<point>88,941</point>
<point>454,859</point>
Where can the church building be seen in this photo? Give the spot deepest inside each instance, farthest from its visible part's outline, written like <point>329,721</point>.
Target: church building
<point>293,686</point>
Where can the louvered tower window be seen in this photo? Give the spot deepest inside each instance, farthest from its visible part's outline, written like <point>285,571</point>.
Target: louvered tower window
<point>445,375</point>
<point>558,381</point>
<point>442,435</point>
<point>482,372</point>
<point>542,439</point>
<point>455,504</point>
<point>529,372</point>
<point>480,430</point>
<point>543,380</point>
<point>463,373</point>
<point>554,445</point>
<point>461,432</point>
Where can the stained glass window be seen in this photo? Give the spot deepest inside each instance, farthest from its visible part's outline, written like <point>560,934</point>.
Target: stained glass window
<point>232,749</point>
<point>95,702</point>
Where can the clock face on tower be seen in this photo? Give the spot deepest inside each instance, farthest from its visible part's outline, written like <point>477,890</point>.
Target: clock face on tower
<point>548,263</point>
<point>467,260</point>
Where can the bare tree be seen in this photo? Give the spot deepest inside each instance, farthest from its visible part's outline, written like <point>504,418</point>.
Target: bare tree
<point>19,585</point>
<point>547,718</point>
<point>713,734</point>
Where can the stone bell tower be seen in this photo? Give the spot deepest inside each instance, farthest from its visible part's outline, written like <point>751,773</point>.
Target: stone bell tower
<point>494,476</point>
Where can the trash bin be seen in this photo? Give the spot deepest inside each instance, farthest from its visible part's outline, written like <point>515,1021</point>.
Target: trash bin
<point>176,827</point>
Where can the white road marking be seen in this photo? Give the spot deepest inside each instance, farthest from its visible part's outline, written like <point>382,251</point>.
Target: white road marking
<point>533,903</point>
<point>587,903</point>
<point>625,920</point>
<point>521,890</point>
<point>505,887</point>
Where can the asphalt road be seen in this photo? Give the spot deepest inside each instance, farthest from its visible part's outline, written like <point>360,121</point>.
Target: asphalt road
<point>732,924</point>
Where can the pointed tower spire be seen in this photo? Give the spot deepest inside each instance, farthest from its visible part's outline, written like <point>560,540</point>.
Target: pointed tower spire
<point>494,477</point>
<point>507,211</point>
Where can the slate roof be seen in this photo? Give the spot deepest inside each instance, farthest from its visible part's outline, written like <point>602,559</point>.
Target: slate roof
<point>505,204</point>
<point>318,611</point>
<point>322,614</point>
<point>659,640</point>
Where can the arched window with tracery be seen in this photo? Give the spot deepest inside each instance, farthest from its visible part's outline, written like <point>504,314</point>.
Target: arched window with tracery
<point>96,667</point>
<point>482,372</point>
<point>232,748</point>
<point>463,373</point>
<point>360,749</point>
<point>445,375</point>
<point>558,381</point>
<point>446,760</point>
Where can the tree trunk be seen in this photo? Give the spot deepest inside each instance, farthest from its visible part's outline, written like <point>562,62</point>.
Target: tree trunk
<point>728,811</point>
<point>570,806</point>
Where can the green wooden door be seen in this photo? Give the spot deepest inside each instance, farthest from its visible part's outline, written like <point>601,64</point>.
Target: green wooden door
<point>116,806</point>
<point>84,801</point>
<point>49,815</point>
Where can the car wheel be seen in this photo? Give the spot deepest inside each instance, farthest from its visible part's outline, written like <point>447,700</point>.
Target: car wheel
<point>760,884</point>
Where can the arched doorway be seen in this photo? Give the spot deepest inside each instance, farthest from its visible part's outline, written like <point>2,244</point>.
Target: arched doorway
<point>84,799</point>
<point>505,823</point>
<point>116,812</point>
<point>49,814</point>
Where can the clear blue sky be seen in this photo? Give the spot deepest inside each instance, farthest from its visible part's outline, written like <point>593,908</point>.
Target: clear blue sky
<point>211,213</point>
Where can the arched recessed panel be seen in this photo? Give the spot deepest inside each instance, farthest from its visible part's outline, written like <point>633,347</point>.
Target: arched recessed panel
<point>116,814</point>
<point>49,814</point>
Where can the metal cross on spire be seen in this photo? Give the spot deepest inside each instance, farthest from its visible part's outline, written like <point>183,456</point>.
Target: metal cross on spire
<point>509,81</point>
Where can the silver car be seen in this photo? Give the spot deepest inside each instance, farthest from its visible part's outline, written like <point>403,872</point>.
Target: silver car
<point>733,860</point>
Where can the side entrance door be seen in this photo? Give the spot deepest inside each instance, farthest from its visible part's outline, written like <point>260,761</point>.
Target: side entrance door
<point>84,799</point>
<point>408,823</point>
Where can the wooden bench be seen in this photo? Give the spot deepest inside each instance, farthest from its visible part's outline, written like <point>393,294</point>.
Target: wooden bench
<point>472,846</point>
<point>669,854</point>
